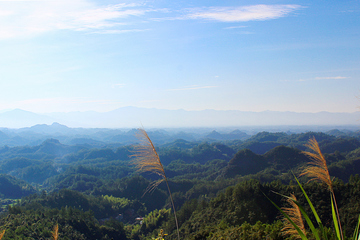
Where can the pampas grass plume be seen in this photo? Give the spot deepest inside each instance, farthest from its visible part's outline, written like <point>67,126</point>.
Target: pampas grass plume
<point>55,233</point>
<point>317,168</point>
<point>148,160</point>
<point>295,215</point>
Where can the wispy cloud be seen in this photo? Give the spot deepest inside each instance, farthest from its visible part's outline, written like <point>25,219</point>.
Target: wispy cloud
<point>29,18</point>
<point>193,87</point>
<point>326,78</point>
<point>149,101</point>
<point>240,29</point>
<point>66,104</point>
<point>119,31</point>
<point>235,27</point>
<point>118,85</point>
<point>323,78</point>
<point>24,18</point>
<point>243,13</point>
<point>61,100</point>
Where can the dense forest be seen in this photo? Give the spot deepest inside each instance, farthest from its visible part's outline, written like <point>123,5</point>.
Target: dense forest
<point>219,183</point>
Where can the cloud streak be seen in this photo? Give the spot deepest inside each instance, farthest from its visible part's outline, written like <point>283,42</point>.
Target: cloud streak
<point>243,13</point>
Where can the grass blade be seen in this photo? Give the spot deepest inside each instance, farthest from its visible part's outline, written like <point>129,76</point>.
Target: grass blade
<point>308,221</point>
<point>318,220</point>
<point>356,232</point>
<point>334,216</point>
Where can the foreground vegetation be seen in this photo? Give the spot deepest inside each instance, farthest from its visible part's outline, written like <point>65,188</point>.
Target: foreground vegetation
<point>219,188</point>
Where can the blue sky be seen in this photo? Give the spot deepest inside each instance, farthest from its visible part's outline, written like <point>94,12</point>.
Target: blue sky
<point>80,55</point>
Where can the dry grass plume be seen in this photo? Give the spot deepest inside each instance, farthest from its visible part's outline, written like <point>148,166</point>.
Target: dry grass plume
<point>317,170</point>
<point>294,214</point>
<point>148,160</point>
<point>55,233</point>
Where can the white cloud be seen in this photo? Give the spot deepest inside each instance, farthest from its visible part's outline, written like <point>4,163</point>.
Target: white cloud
<point>242,14</point>
<point>26,18</point>
<point>194,87</point>
<point>29,18</point>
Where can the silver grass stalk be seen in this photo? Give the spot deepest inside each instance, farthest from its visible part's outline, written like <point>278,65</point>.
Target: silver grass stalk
<point>148,160</point>
<point>295,215</point>
<point>317,169</point>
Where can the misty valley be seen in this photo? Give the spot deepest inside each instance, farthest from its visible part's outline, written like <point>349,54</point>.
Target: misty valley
<point>58,182</point>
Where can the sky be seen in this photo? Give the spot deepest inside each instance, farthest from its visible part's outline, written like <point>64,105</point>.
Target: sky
<point>81,55</point>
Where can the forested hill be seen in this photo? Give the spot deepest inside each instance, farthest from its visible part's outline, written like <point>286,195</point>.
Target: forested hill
<point>220,176</point>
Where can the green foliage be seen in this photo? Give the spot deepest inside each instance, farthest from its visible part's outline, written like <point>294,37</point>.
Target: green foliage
<point>101,206</point>
<point>211,184</point>
<point>200,153</point>
<point>154,219</point>
<point>247,231</point>
<point>316,170</point>
<point>245,162</point>
<point>73,224</point>
<point>11,187</point>
<point>267,137</point>
<point>179,169</point>
<point>343,145</point>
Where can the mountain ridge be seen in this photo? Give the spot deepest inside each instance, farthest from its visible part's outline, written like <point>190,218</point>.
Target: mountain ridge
<point>128,117</point>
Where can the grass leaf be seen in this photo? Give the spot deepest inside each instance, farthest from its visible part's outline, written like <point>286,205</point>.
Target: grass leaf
<point>334,216</point>
<point>356,231</point>
<point>318,220</point>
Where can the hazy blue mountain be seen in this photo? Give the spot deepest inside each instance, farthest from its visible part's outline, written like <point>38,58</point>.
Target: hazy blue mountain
<point>237,134</point>
<point>234,135</point>
<point>19,118</point>
<point>3,136</point>
<point>214,135</point>
<point>129,117</point>
<point>49,129</point>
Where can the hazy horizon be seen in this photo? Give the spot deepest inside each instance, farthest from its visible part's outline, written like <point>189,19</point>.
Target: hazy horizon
<point>134,117</point>
<point>181,109</point>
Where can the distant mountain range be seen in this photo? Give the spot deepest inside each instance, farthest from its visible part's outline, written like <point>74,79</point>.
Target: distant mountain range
<point>100,137</point>
<point>129,117</point>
